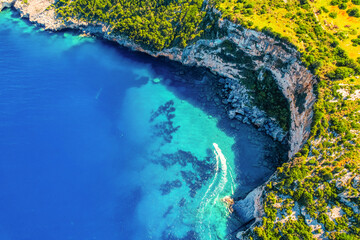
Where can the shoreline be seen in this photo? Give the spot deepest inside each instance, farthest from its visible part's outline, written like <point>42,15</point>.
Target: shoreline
<point>294,82</point>
<point>247,112</point>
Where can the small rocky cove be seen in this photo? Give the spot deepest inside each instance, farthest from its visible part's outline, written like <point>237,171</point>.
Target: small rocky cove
<point>250,51</point>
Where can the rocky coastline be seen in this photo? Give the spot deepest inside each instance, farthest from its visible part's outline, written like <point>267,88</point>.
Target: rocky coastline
<point>253,51</point>
<point>264,52</point>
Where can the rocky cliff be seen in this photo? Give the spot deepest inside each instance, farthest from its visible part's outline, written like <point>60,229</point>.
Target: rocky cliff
<point>251,50</point>
<point>6,3</point>
<point>232,56</point>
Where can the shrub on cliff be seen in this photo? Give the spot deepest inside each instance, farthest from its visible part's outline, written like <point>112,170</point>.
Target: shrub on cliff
<point>341,73</point>
<point>333,15</point>
<point>152,24</point>
<point>342,6</point>
<point>306,199</point>
<point>353,12</point>
<point>343,236</point>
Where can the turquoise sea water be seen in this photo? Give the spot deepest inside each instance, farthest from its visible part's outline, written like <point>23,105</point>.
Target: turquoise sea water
<point>98,142</point>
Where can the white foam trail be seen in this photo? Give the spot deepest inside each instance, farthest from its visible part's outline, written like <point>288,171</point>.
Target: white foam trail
<point>214,180</point>
<point>214,190</point>
<point>219,154</point>
<point>232,180</point>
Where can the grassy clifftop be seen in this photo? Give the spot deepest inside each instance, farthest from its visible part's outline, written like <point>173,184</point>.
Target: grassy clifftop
<point>315,195</point>
<point>326,41</point>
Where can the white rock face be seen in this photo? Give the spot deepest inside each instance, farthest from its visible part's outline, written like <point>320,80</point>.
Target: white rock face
<point>250,208</point>
<point>294,80</point>
<point>39,12</point>
<point>6,3</point>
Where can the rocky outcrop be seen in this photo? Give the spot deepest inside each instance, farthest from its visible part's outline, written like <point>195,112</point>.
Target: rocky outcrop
<point>6,3</point>
<point>231,56</point>
<point>244,110</point>
<point>250,207</point>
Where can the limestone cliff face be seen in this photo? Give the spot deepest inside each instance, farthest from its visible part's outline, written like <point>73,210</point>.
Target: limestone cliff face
<point>6,3</point>
<point>230,56</point>
<point>251,50</point>
<point>250,207</point>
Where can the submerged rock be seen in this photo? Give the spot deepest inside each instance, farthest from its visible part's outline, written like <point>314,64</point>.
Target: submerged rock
<point>229,203</point>
<point>168,186</point>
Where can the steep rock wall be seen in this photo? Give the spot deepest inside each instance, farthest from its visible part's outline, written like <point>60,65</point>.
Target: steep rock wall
<point>264,52</point>
<point>6,3</point>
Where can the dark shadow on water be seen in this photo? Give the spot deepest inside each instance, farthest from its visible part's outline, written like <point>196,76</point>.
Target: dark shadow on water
<point>256,154</point>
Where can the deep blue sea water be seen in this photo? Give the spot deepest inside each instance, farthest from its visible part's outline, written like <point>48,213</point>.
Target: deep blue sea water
<point>97,142</point>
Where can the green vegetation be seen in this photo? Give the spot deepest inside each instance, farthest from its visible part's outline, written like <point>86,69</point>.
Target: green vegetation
<point>333,14</point>
<point>153,24</point>
<point>321,177</point>
<point>354,12</point>
<point>356,41</point>
<point>268,97</point>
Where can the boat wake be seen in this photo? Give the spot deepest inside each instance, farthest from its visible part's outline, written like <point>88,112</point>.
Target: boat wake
<point>211,209</point>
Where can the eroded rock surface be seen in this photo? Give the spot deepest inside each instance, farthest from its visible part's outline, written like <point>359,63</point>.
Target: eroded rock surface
<point>6,3</point>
